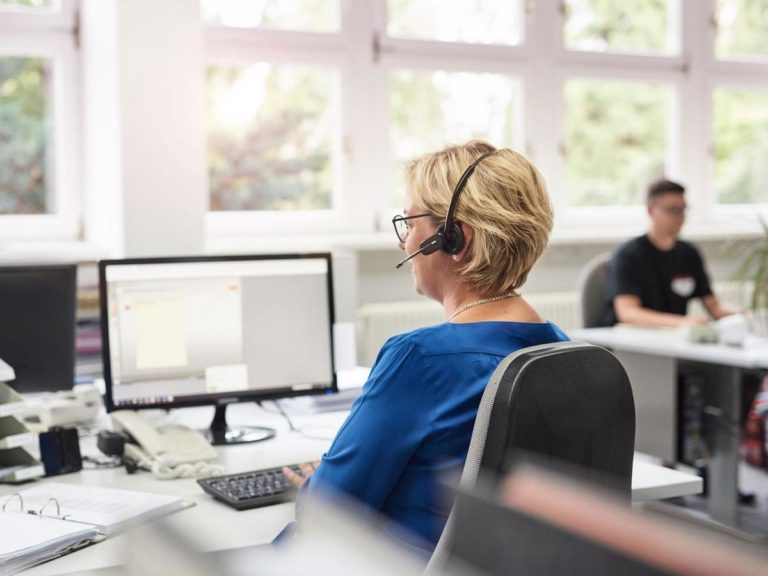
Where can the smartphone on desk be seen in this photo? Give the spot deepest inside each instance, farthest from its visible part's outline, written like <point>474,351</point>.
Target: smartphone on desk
<point>147,443</point>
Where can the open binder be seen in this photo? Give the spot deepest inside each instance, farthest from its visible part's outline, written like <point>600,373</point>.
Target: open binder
<point>50,520</point>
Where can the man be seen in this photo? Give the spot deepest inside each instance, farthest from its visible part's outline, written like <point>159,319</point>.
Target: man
<point>651,278</point>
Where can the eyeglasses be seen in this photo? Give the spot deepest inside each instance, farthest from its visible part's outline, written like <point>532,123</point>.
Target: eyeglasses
<point>674,210</point>
<point>401,225</point>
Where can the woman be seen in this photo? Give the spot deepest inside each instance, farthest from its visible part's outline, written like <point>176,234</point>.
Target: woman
<point>413,421</point>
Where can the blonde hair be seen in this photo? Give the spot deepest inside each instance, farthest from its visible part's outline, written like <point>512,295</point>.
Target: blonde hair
<point>505,202</point>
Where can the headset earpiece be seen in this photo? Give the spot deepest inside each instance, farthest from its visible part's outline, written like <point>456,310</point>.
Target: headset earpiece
<point>453,241</point>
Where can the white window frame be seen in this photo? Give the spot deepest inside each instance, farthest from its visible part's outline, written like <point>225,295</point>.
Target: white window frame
<point>366,56</point>
<point>53,37</point>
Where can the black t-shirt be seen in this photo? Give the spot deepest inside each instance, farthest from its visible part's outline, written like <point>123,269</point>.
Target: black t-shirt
<point>663,280</point>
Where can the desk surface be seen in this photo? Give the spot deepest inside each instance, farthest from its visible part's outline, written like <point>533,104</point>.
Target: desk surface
<point>669,343</point>
<point>211,525</point>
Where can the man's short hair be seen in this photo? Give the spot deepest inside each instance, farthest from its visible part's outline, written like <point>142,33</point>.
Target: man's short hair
<point>660,187</point>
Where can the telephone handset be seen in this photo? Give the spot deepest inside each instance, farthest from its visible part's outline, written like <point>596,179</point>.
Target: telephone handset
<point>6,372</point>
<point>172,445</point>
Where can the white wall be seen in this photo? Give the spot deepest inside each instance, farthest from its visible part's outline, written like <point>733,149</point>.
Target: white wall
<point>144,137</point>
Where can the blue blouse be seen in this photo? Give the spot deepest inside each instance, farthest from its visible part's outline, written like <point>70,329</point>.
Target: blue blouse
<point>413,421</point>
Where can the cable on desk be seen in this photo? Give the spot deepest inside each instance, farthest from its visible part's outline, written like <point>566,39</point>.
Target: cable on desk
<point>291,426</point>
<point>101,462</point>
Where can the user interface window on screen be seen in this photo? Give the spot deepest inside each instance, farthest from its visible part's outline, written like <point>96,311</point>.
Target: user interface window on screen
<point>185,329</point>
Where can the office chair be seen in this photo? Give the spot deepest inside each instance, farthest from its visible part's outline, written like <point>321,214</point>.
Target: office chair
<point>592,283</point>
<point>565,402</point>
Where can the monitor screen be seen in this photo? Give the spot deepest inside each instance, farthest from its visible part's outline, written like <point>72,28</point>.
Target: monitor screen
<point>215,330</point>
<point>37,325</point>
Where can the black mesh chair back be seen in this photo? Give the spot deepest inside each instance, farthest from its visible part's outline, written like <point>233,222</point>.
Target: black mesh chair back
<point>567,402</point>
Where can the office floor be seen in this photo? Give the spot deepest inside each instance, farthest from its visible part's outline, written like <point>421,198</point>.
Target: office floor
<point>753,517</point>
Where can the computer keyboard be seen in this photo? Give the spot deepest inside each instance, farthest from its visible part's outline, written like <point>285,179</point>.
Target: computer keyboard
<point>251,489</point>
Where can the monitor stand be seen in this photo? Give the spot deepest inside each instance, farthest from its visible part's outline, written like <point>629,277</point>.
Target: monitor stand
<point>219,433</point>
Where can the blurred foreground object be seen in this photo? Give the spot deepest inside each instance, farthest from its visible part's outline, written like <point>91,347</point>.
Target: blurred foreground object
<point>542,524</point>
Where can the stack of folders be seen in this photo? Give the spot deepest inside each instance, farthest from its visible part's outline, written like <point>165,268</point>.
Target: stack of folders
<point>50,520</point>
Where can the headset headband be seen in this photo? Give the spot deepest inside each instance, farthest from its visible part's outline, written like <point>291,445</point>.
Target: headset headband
<point>448,225</point>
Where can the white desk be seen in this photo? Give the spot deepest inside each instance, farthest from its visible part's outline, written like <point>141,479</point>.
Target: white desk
<point>650,358</point>
<point>212,525</point>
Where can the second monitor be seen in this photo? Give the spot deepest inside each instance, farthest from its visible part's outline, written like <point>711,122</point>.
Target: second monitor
<point>215,330</point>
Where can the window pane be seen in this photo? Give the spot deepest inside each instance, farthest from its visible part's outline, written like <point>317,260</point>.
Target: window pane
<point>42,5</point>
<point>741,145</point>
<point>306,15</point>
<point>742,28</point>
<point>270,137</point>
<point>24,88</point>
<point>474,21</point>
<point>615,140</point>
<point>434,109</point>
<point>626,26</point>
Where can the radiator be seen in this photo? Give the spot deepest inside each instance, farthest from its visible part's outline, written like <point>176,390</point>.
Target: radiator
<point>378,322</point>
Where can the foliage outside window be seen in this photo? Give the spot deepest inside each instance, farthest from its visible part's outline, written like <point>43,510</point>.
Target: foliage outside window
<point>635,26</point>
<point>24,141</point>
<point>742,28</point>
<point>430,110</point>
<point>741,145</point>
<point>270,137</point>
<point>616,140</point>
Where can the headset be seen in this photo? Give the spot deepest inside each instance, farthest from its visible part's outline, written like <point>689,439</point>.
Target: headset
<point>448,237</point>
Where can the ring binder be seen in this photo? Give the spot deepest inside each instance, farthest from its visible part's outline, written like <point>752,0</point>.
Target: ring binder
<point>10,496</point>
<point>58,508</point>
<point>38,513</point>
<point>34,529</point>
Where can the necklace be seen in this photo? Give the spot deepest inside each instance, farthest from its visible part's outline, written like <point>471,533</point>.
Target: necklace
<point>482,301</point>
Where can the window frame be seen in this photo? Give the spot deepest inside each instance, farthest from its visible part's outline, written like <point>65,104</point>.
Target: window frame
<point>366,57</point>
<point>25,33</point>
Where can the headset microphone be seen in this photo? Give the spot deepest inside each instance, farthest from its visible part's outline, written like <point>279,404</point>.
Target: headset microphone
<point>423,249</point>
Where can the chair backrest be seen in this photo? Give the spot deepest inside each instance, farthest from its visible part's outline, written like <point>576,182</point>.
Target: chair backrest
<point>565,402</point>
<point>592,286</point>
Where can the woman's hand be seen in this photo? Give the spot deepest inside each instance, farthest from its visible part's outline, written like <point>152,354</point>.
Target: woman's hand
<point>307,469</point>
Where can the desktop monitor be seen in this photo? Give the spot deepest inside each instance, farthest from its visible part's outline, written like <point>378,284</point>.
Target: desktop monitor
<point>216,330</point>
<point>37,325</point>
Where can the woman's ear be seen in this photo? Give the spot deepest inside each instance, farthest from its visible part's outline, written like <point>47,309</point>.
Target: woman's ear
<point>468,236</point>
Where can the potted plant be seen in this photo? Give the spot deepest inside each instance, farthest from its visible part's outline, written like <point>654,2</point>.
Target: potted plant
<point>754,267</point>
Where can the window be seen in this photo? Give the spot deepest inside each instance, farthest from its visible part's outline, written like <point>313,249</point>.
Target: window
<point>630,26</point>
<point>25,102</point>
<point>305,15</point>
<point>38,119</point>
<point>742,29</point>
<point>741,145</point>
<point>616,140</point>
<point>449,80</point>
<point>275,115</point>
<point>468,21</point>
<point>432,109</point>
<point>30,6</point>
<point>270,131</point>
<point>315,106</point>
